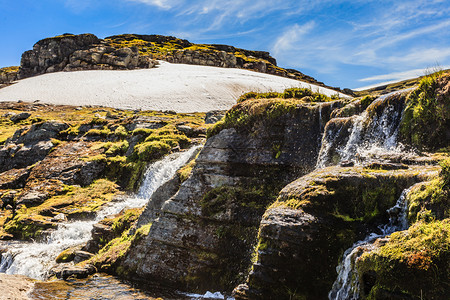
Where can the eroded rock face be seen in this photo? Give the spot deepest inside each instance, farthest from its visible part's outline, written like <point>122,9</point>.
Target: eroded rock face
<point>79,52</point>
<point>64,166</point>
<point>315,219</point>
<point>29,145</point>
<point>53,52</point>
<point>204,234</point>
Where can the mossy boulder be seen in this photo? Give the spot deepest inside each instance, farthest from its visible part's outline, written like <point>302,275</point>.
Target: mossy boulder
<point>303,235</point>
<point>410,264</point>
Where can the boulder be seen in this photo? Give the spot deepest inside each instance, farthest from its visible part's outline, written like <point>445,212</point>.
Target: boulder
<point>315,219</point>
<point>79,52</point>
<point>19,117</point>
<point>66,272</point>
<point>53,52</point>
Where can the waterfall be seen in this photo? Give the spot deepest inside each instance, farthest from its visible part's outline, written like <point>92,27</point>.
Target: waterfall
<point>346,285</point>
<point>36,259</point>
<point>370,135</point>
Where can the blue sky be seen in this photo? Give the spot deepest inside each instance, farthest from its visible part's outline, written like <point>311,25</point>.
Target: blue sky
<point>342,43</point>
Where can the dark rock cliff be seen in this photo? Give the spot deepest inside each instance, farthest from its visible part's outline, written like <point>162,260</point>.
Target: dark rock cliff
<point>315,219</point>
<point>203,236</point>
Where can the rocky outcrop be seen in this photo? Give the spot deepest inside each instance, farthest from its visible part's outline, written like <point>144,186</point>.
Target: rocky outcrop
<point>204,234</point>
<point>70,52</point>
<point>64,166</point>
<point>8,75</point>
<point>60,163</point>
<point>315,219</point>
<point>79,52</point>
<point>29,145</point>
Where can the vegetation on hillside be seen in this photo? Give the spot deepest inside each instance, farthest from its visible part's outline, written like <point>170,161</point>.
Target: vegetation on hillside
<point>120,141</point>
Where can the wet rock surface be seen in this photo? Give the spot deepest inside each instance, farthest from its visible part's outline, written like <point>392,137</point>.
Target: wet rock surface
<point>199,245</point>
<point>316,218</point>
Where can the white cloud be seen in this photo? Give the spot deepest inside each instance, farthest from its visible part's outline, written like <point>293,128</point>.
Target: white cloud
<point>396,76</point>
<point>78,6</point>
<point>163,4</point>
<point>291,37</point>
<point>430,56</point>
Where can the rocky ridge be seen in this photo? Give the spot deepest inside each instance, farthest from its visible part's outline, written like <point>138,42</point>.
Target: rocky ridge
<point>70,52</point>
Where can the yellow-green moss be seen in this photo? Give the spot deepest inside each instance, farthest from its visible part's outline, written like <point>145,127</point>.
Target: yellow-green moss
<point>6,70</point>
<point>125,220</point>
<point>414,262</point>
<point>185,171</point>
<point>149,151</point>
<point>426,116</point>
<point>431,199</point>
<point>66,256</point>
<point>304,94</point>
<point>244,114</point>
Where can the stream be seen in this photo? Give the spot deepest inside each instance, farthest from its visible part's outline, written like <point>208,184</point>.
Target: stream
<point>346,286</point>
<point>36,259</point>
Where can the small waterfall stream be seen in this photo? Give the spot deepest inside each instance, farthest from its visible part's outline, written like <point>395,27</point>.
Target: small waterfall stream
<point>346,285</point>
<point>370,135</point>
<point>36,259</point>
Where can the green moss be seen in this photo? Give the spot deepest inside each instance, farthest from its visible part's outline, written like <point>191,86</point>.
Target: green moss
<point>99,132</point>
<point>304,94</point>
<point>114,149</point>
<point>143,131</point>
<point>120,132</point>
<point>366,101</point>
<point>125,220</point>
<point>217,200</point>
<point>108,259</point>
<point>431,200</point>
<point>149,151</point>
<point>244,114</point>
<point>184,172</point>
<point>427,114</point>
<point>414,262</point>
<point>66,256</point>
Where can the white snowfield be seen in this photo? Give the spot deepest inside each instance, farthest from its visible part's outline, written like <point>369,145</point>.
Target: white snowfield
<point>178,87</point>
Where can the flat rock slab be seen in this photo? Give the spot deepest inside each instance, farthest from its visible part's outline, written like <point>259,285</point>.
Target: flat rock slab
<point>15,287</point>
<point>178,87</point>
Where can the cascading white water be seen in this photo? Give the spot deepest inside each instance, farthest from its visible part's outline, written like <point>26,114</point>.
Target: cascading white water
<point>346,286</point>
<point>369,136</point>
<point>36,259</point>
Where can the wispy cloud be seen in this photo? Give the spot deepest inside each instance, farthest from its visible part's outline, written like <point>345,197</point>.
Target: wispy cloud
<point>291,37</point>
<point>320,37</point>
<point>163,4</point>
<point>396,76</point>
<point>78,6</point>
